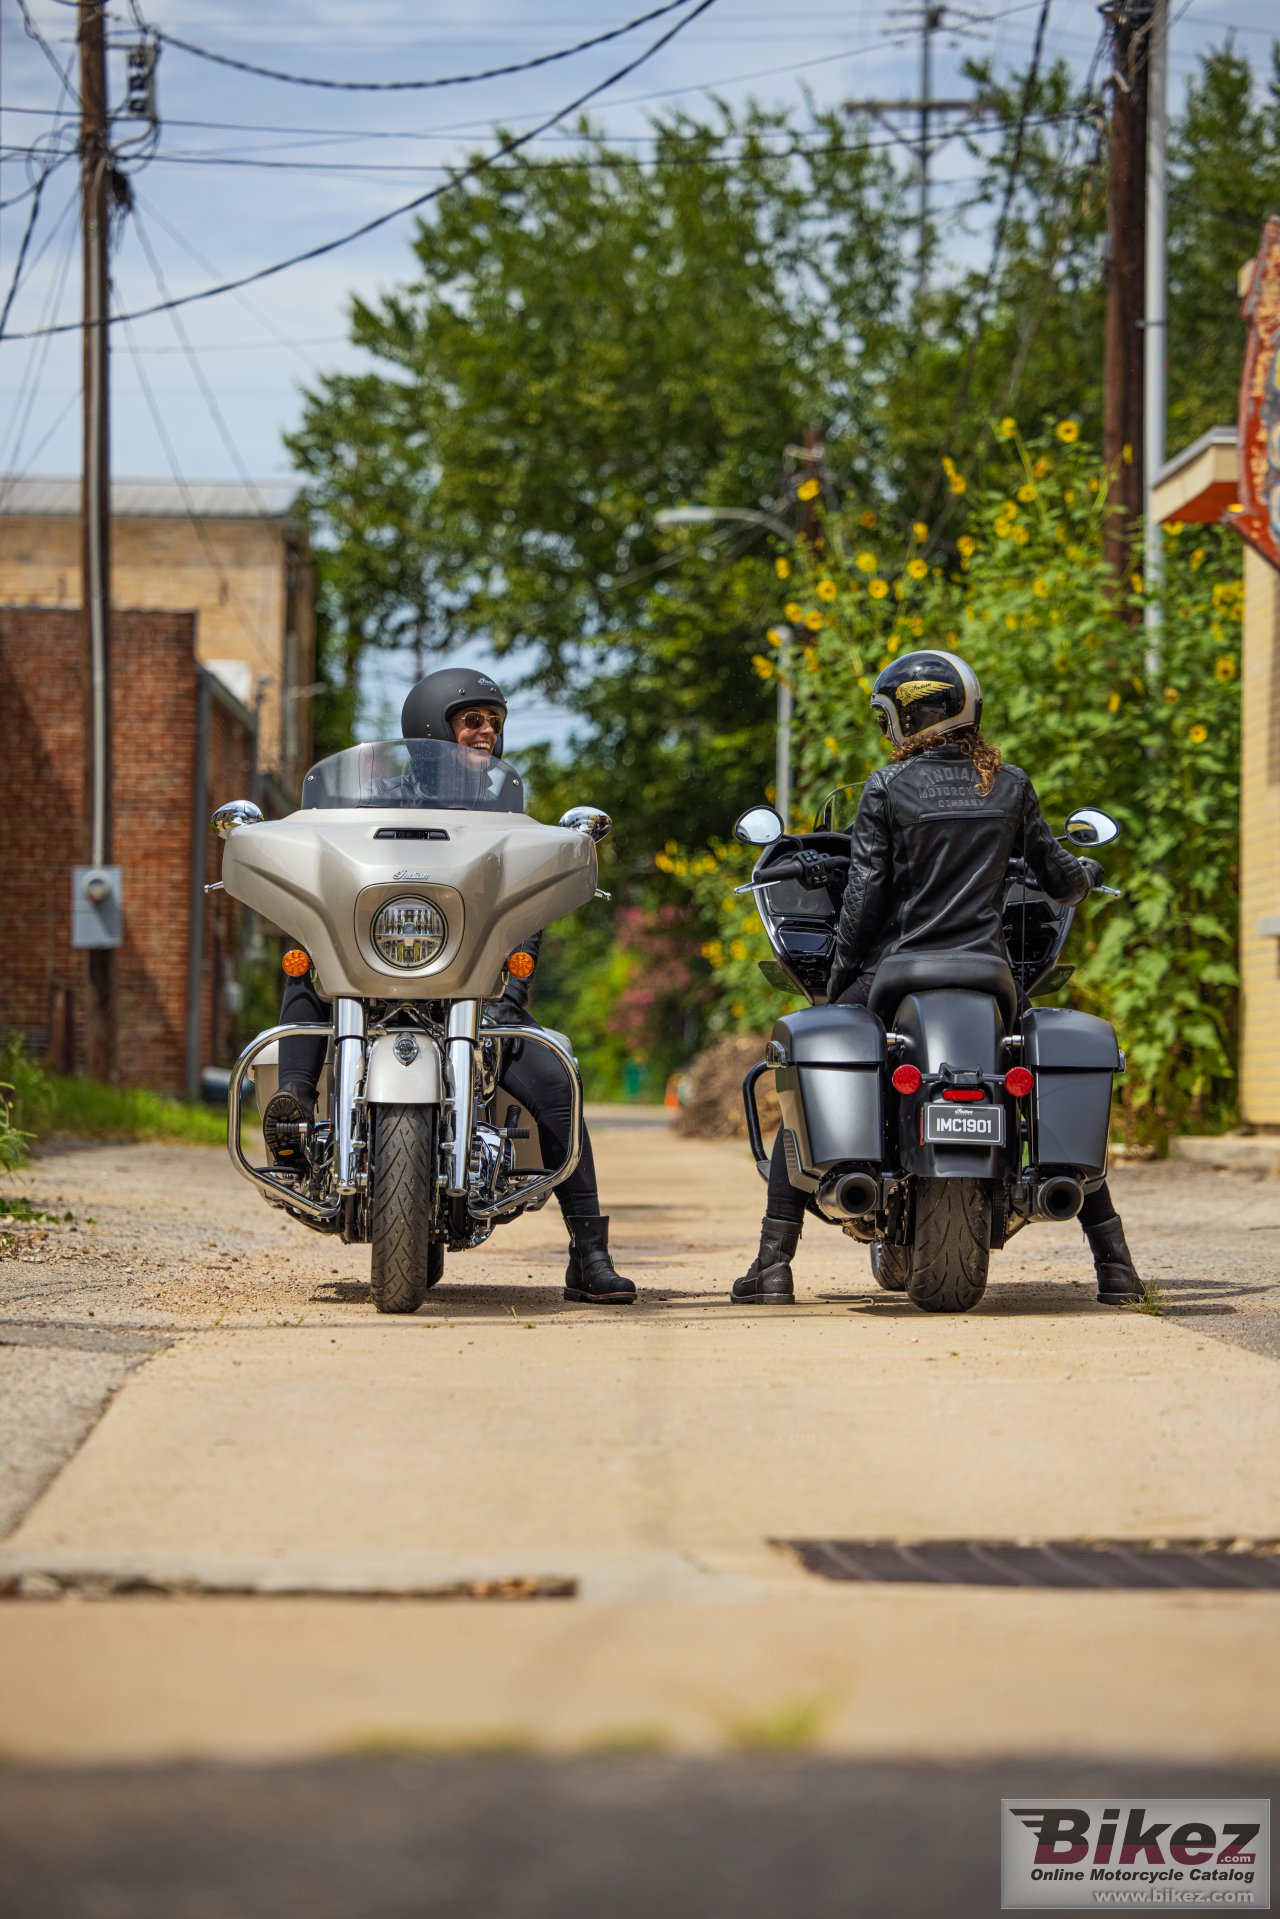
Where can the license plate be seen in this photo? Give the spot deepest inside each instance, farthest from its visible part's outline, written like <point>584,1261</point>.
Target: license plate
<point>949,1123</point>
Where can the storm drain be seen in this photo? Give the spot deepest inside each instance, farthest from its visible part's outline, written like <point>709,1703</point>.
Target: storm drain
<point>1144,1566</point>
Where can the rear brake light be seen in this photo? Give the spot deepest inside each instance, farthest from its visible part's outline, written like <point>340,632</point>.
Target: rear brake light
<point>1019,1081</point>
<point>906,1079</point>
<point>963,1092</point>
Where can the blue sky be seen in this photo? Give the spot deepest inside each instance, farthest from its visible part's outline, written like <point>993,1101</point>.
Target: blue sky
<point>208,219</point>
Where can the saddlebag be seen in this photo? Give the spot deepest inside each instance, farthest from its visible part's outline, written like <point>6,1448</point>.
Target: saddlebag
<point>1074,1058</point>
<point>829,1073</point>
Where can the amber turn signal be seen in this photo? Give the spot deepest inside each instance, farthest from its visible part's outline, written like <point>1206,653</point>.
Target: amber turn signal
<point>296,962</point>
<point>521,965</point>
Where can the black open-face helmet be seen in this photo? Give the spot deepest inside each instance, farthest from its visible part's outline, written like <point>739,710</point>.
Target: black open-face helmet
<point>924,695</point>
<point>432,703</point>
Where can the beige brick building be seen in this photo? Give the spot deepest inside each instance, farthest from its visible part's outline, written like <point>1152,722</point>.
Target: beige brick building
<point>236,556</point>
<point>1202,485</point>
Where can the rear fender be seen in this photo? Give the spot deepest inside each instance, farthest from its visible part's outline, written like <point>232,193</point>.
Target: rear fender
<point>964,1031</point>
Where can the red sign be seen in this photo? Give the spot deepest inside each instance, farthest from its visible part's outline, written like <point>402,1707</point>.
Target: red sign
<point>1259,431</point>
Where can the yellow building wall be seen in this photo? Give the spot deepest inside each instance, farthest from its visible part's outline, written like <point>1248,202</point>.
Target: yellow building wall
<point>1260,845</point>
<point>237,584</point>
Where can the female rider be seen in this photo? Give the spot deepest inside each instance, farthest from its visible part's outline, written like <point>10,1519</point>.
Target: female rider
<point>930,847</point>
<point>468,707</point>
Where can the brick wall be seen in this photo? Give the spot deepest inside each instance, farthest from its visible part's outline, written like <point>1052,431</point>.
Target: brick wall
<point>44,833</point>
<point>251,586</point>
<point>1260,845</point>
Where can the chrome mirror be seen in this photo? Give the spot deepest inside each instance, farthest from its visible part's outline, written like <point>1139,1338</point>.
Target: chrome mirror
<point>235,813</point>
<point>589,820</point>
<point>1088,827</point>
<point>759,826</point>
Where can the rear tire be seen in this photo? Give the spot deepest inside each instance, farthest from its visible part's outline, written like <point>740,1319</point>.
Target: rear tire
<point>891,1266</point>
<point>403,1174</point>
<point>951,1249</point>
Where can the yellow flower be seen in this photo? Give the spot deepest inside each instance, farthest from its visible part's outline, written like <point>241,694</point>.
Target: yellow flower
<point>1171,696</point>
<point>918,569</point>
<point>737,949</point>
<point>1007,427</point>
<point>814,622</point>
<point>917,625</point>
<point>1011,621</point>
<point>773,636</point>
<point>1197,559</point>
<point>1197,734</point>
<point>893,643</point>
<point>811,659</point>
<point>782,568</point>
<point>1026,493</point>
<point>920,530</point>
<point>1135,581</point>
<point>1126,453</point>
<point>866,562</point>
<point>1173,528</point>
<point>1067,431</point>
<point>1225,669</point>
<point>1075,553</point>
<point>793,610</point>
<point>1020,535</point>
<point>878,589</point>
<point>831,743</point>
<point>967,545</point>
<point>1003,528</point>
<point>664,862</point>
<point>866,519</point>
<point>1042,467</point>
<point>1068,497</point>
<point>808,489</point>
<point>958,484</point>
<point>1113,704</point>
<point>826,589</point>
<point>1040,588</point>
<point>712,950</point>
<point>762,666</point>
<point>864,684</point>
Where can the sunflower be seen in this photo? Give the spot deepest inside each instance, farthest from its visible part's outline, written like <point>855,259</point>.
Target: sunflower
<point>1113,704</point>
<point>918,569</point>
<point>1225,669</point>
<point>1007,427</point>
<point>866,562</point>
<point>1026,493</point>
<point>1040,587</point>
<point>808,489</point>
<point>1197,734</point>
<point>1068,431</point>
<point>814,622</point>
<point>966,546</point>
<point>782,568</point>
<point>920,530</point>
<point>826,589</point>
<point>1171,696</point>
<point>793,610</point>
<point>878,589</point>
<point>762,666</point>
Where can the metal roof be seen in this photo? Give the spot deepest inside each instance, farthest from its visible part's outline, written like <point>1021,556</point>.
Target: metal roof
<point>1216,436</point>
<point>153,499</point>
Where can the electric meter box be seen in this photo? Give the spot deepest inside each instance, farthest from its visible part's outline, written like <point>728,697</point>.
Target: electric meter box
<point>96,911</point>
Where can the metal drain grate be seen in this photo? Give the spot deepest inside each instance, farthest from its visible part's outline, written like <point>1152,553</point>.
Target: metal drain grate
<point>1205,1566</point>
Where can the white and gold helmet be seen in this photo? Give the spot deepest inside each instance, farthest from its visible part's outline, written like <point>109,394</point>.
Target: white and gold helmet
<point>924,695</point>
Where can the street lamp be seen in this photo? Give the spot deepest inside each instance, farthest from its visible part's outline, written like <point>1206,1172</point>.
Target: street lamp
<point>669,516</point>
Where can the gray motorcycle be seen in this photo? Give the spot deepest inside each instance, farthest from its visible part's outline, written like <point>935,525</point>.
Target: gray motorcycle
<point>940,1119</point>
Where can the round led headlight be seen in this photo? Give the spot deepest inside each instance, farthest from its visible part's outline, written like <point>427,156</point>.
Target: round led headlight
<point>409,933</point>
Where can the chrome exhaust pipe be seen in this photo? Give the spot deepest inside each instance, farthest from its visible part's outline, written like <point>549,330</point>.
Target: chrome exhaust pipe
<point>844,1196</point>
<point>1060,1197</point>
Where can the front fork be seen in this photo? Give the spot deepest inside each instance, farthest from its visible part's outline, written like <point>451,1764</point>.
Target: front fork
<point>461,1039</point>
<point>348,1078</point>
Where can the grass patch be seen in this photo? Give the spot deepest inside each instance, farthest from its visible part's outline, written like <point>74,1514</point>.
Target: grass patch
<point>794,1726</point>
<point>37,1102</point>
<point>14,1210</point>
<point>1152,1300</point>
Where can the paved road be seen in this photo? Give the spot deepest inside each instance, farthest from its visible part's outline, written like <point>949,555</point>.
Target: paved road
<point>265,1433</point>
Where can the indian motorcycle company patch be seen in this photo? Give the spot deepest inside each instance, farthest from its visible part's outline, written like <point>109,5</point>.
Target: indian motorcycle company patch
<point>1058,1854</point>
<point>912,690</point>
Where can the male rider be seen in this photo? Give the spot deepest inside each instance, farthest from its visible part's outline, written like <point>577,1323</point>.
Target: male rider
<point>930,848</point>
<point>463,705</point>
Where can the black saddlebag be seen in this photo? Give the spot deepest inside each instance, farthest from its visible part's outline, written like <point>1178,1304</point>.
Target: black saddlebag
<point>830,1078</point>
<point>1074,1058</point>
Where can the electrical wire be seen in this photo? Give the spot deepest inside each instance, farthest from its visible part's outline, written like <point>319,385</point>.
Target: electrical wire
<point>471,172</point>
<point>34,33</point>
<point>419,86</point>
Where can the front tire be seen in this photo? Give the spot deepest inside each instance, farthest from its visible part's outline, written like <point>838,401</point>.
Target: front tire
<point>951,1248</point>
<point>403,1177</point>
<point>891,1267</point>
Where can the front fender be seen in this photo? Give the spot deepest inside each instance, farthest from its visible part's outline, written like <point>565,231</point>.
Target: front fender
<point>390,1080</point>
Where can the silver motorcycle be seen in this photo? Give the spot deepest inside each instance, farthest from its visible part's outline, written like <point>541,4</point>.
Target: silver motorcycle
<point>412,879</point>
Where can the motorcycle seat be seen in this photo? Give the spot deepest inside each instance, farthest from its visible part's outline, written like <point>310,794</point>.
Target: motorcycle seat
<point>902,973</point>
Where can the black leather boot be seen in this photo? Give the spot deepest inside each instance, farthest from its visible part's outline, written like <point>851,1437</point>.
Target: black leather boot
<point>592,1275</point>
<point>767,1281</point>
<point>1118,1282</point>
<point>286,1125</point>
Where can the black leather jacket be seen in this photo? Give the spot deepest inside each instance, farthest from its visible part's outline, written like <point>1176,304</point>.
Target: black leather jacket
<point>930,852</point>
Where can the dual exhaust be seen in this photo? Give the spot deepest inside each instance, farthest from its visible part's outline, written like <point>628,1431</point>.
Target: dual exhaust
<point>852,1195</point>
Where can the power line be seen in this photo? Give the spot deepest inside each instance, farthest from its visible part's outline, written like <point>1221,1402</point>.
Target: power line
<point>483,165</point>
<point>420,86</point>
<point>34,33</point>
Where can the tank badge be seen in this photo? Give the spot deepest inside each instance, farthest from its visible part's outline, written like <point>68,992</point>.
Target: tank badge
<point>406,1049</point>
<point>410,873</point>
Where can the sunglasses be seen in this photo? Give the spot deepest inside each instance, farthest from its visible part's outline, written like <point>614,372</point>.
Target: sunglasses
<point>475,720</point>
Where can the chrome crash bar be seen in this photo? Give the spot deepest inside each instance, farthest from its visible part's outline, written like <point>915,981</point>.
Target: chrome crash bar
<point>542,1182</point>
<point>261,1175</point>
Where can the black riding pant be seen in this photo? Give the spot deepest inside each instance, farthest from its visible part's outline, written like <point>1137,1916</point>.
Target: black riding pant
<point>531,1076</point>
<point>786,1202</point>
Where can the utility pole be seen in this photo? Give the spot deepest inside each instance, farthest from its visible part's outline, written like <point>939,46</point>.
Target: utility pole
<point>930,21</point>
<point>1122,376</point>
<point>95,520</point>
<point>1155,337</point>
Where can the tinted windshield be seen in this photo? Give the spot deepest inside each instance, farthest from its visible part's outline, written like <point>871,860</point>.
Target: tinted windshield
<point>415,773</point>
